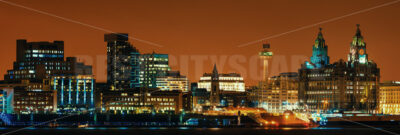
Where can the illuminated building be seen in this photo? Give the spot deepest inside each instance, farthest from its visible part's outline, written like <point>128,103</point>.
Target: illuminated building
<point>74,92</point>
<point>166,101</point>
<point>351,85</point>
<point>260,94</point>
<point>36,60</point>
<point>282,93</point>
<point>142,100</point>
<point>227,82</point>
<point>6,102</point>
<point>173,80</point>
<point>265,55</point>
<point>233,99</point>
<point>219,90</point>
<point>187,101</point>
<point>21,100</point>
<point>122,62</point>
<point>152,66</point>
<point>389,98</point>
<point>200,97</point>
<point>31,75</point>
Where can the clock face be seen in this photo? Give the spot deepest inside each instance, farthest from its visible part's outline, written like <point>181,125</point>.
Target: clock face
<point>353,51</point>
<point>361,52</point>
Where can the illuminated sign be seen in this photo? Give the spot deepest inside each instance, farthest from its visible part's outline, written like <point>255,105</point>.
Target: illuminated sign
<point>265,53</point>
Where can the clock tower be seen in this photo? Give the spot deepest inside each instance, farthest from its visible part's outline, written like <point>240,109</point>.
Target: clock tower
<point>358,54</point>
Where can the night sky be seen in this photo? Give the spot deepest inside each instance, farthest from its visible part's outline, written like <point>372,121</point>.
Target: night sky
<point>207,30</point>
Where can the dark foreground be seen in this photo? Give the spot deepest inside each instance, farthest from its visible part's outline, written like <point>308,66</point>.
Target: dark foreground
<point>201,131</point>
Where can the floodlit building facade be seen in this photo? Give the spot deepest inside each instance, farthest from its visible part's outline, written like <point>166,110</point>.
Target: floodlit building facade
<point>282,93</point>
<point>227,82</point>
<point>389,98</point>
<point>173,80</point>
<point>343,85</point>
<point>74,92</point>
<point>142,100</point>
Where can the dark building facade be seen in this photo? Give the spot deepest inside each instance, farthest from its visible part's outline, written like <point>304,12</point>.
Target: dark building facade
<point>122,62</point>
<point>37,61</point>
<point>343,85</point>
<point>215,93</point>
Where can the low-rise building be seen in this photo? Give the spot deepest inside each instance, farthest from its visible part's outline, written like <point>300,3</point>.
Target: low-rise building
<point>142,100</point>
<point>74,92</point>
<point>389,97</point>
<point>173,80</point>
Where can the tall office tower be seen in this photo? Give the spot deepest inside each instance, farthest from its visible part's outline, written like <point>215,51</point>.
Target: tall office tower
<point>215,91</point>
<point>351,85</point>
<point>121,66</point>
<point>31,77</point>
<point>265,55</point>
<point>151,66</point>
<point>36,60</point>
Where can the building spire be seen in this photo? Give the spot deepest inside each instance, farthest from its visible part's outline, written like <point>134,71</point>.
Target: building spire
<point>320,33</point>
<point>320,41</point>
<point>215,71</point>
<point>358,32</point>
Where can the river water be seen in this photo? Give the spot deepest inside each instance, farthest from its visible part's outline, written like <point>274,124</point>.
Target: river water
<point>200,131</point>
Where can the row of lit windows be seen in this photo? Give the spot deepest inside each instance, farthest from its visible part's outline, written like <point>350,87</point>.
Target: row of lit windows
<point>44,51</point>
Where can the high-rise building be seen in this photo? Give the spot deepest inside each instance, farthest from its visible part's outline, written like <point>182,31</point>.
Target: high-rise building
<point>389,98</point>
<point>31,76</point>
<point>173,80</point>
<point>36,60</point>
<point>122,63</point>
<point>152,66</point>
<point>351,85</point>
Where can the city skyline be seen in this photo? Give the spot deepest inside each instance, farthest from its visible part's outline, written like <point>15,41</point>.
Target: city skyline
<point>207,39</point>
<point>199,67</point>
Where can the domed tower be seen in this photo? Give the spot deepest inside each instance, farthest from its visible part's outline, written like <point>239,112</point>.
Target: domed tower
<point>319,56</point>
<point>358,50</point>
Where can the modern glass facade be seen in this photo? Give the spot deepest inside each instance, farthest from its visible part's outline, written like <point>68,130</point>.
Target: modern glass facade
<point>152,66</point>
<point>121,61</point>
